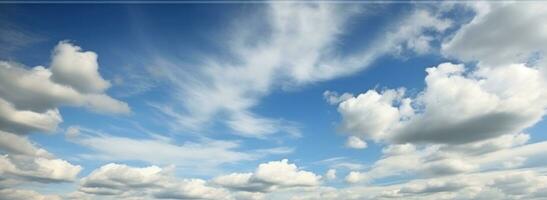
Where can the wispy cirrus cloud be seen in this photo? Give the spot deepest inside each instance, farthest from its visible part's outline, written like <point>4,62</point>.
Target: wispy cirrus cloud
<point>294,46</point>
<point>211,155</point>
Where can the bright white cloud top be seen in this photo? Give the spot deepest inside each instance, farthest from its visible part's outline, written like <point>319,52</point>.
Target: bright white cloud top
<point>292,100</point>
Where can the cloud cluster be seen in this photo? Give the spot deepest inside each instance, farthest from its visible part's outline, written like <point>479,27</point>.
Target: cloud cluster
<point>504,94</point>
<point>30,97</point>
<point>122,181</point>
<point>466,124</point>
<point>505,184</point>
<point>457,106</point>
<point>29,101</point>
<point>504,152</point>
<point>116,181</point>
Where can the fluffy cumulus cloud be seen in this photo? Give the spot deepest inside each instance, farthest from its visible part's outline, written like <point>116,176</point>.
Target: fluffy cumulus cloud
<point>21,161</point>
<point>30,97</point>
<point>122,181</point>
<point>29,101</point>
<point>113,179</point>
<point>79,69</point>
<point>457,106</point>
<point>268,177</point>
<point>433,161</point>
<point>118,181</point>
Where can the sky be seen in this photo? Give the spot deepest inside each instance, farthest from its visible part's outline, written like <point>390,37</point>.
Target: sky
<point>273,100</point>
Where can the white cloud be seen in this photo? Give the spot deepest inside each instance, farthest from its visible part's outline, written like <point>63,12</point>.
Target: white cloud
<point>504,184</point>
<point>490,102</point>
<point>432,186</point>
<point>14,144</point>
<point>18,194</point>
<point>447,166</point>
<point>72,131</point>
<point>490,145</point>
<point>285,174</point>
<point>356,143</point>
<point>118,181</point>
<point>120,178</point>
<point>460,138</point>
<point>103,103</point>
<point>333,97</point>
<point>23,161</point>
<point>342,163</point>
<point>243,195</point>
<point>243,182</point>
<point>192,189</point>
<point>128,182</point>
<point>30,97</point>
<point>472,117</point>
<point>370,114</point>
<point>76,68</point>
<point>208,154</point>
<point>354,177</point>
<point>331,174</point>
<point>269,177</point>
<point>464,121</point>
<point>501,34</point>
<point>442,160</point>
<point>23,121</point>
<point>397,161</point>
<point>411,33</point>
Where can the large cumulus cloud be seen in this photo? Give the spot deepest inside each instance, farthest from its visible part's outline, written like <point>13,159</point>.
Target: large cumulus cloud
<point>457,106</point>
<point>30,97</point>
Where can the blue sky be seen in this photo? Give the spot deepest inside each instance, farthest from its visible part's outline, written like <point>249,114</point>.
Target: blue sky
<point>273,100</point>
